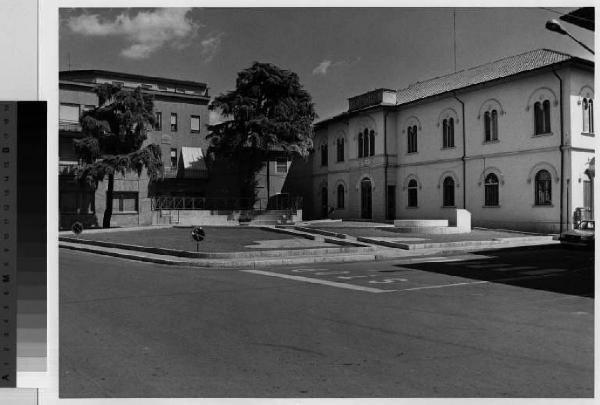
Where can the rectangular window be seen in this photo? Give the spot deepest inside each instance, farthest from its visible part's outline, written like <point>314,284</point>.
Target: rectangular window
<point>173,122</point>
<point>281,166</point>
<point>125,201</point>
<point>69,112</point>
<point>195,123</point>
<point>76,202</point>
<point>158,121</point>
<point>173,157</point>
<point>86,108</point>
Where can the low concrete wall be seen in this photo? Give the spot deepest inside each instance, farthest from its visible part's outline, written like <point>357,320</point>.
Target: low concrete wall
<point>192,218</point>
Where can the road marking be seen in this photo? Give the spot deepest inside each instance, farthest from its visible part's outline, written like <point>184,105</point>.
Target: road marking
<point>443,286</point>
<point>303,270</point>
<point>331,273</point>
<point>351,277</point>
<point>318,281</point>
<point>387,280</point>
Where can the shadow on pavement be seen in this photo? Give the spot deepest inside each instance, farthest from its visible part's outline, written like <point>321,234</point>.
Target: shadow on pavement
<point>551,268</point>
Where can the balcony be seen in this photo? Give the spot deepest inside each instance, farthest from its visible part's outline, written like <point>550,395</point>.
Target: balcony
<point>67,167</point>
<point>69,126</point>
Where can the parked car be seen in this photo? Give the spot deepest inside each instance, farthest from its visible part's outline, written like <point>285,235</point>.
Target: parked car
<point>583,236</point>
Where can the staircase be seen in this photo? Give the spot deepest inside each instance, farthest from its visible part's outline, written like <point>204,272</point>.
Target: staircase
<point>272,217</point>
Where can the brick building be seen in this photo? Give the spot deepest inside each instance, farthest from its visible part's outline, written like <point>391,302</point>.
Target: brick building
<point>181,109</point>
<point>191,182</point>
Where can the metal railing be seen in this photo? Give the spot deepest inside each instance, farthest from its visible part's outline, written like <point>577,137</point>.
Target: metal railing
<point>283,202</point>
<point>69,126</point>
<point>200,203</point>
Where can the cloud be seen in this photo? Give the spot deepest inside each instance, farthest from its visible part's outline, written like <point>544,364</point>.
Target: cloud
<point>323,67</point>
<point>210,46</point>
<point>145,32</point>
<point>215,117</point>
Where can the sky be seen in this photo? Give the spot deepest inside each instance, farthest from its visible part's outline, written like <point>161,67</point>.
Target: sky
<point>337,52</point>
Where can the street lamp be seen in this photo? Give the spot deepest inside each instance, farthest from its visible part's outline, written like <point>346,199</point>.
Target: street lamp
<point>554,26</point>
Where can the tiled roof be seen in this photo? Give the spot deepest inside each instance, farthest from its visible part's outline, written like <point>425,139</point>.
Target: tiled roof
<point>495,70</point>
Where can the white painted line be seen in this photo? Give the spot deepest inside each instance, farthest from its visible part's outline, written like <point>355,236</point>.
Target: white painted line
<point>351,277</point>
<point>442,286</point>
<point>318,281</point>
<point>307,270</point>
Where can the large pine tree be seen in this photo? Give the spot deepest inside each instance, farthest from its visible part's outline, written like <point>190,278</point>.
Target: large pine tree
<point>268,111</point>
<point>113,138</point>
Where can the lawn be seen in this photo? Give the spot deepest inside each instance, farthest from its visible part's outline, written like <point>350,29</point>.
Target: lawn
<point>217,239</point>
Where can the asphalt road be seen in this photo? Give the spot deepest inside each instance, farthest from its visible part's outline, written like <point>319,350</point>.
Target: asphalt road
<point>510,323</point>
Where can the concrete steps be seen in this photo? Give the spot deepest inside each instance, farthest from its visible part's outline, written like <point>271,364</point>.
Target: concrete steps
<point>430,226</point>
<point>466,244</point>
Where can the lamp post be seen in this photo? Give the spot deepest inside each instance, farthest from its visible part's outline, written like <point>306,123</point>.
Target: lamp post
<point>554,26</point>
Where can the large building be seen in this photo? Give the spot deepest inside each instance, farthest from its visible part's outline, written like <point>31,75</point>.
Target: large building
<point>189,183</point>
<point>181,109</point>
<point>510,141</point>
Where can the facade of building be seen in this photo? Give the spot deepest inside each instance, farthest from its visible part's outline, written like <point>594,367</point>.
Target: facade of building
<point>190,180</point>
<point>181,110</point>
<point>510,141</point>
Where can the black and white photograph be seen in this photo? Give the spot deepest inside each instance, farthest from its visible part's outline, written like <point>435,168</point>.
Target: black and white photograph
<point>325,202</point>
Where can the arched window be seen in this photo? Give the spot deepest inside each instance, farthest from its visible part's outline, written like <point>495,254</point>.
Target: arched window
<point>448,192</point>
<point>371,143</point>
<point>588,115</point>
<point>490,120</point>
<point>340,149</point>
<point>448,133</point>
<point>541,115</point>
<point>360,145</point>
<point>340,196</point>
<point>412,139</point>
<point>366,143</point>
<point>546,105</point>
<point>324,155</point>
<point>494,126</point>
<point>543,188</point>
<point>412,193</point>
<point>492,193</point>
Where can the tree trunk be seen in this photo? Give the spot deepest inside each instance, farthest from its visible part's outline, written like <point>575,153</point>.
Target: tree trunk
<point>109,201</point>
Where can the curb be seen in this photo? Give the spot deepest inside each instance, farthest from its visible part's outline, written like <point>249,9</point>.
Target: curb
<point>223,263</point>
<point>350,249</point>
<point>497,242</point>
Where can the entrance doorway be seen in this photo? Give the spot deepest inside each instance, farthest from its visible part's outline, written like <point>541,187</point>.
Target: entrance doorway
<point>391,202</point>
<point>324,203</point>
<point>366,199</point>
